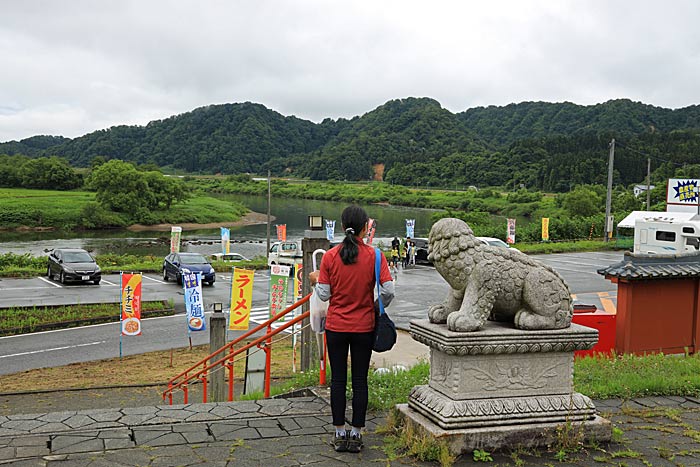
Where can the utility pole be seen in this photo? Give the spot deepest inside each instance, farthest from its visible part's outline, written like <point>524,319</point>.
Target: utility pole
<point>608,199</point>
<point>648,182</point>
<point>267,252</point>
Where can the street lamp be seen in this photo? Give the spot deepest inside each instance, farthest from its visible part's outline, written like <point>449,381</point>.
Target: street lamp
<point>316,222</point>
<point>218,307</point>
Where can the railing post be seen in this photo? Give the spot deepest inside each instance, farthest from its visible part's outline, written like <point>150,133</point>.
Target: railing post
<point>217,339</point>
<point>313,240</point>
<point>268,362</point>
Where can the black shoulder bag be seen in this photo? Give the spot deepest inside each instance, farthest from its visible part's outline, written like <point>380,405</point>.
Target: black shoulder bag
<point>384,328</point>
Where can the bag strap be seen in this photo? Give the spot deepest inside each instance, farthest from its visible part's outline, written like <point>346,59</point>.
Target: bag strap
<point>377,262</point>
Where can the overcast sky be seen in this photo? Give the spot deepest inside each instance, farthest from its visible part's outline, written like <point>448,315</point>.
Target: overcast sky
<point>71,67</point>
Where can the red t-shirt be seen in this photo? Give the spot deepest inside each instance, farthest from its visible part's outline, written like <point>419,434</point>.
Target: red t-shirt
<point>351,306</point>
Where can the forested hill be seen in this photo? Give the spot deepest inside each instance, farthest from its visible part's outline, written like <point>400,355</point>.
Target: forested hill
<point>412,141</point>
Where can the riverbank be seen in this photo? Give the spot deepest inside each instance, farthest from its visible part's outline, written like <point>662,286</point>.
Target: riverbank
<point>251,218</point>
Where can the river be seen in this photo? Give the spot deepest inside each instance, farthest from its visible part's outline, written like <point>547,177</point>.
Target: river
<point>248,240</point>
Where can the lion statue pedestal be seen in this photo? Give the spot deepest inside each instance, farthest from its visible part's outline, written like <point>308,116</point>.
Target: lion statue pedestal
<point>501,351</point>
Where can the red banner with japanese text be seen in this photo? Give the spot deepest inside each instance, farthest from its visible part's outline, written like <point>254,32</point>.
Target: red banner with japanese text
<point>131,304</point>
<point>241,299</point>
<point>282,232</point>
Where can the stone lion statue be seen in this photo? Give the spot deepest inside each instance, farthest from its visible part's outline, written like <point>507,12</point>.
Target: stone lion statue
<point>493,283</point>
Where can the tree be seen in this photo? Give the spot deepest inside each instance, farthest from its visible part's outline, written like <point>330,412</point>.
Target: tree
<point>582,201</point>
<point>120,187</point>
<point>49,173</point>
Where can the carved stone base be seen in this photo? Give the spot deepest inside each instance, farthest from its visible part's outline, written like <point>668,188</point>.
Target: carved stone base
<point>502,383</point>
<point>531,435</point>
<point>453,414</point>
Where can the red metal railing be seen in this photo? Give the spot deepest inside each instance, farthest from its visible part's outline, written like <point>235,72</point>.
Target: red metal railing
<point>182,380</point>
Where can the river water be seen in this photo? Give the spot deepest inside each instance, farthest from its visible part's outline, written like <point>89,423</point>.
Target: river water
<point>248,240</point>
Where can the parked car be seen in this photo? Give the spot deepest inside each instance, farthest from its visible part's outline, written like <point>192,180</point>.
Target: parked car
<point>177,264</point>
<point>497,242</point>
<point>421,250</point>
<point>228,257</point>
<point>73,265</point>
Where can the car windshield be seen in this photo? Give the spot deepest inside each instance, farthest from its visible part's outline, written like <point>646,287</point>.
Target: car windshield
<point>193,259</point>
<point>497,242</point>
<point>77,257</point>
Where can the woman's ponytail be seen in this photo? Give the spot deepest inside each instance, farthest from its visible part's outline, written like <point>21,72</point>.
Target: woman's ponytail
<point>353,219</point>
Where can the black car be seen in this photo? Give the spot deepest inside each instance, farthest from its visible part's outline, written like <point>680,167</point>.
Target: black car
<point>177,264</point>
<point>421,250</point>
<point>73,265</point>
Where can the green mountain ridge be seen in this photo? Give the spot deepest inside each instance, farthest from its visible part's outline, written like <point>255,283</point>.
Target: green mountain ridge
<point>412,141</point>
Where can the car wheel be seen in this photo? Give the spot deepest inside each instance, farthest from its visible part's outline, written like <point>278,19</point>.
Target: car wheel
<point>179,279</point>
<point>165,275</point>
<point>96,281</point>
<point>62,278</point>
<point>48,272</point>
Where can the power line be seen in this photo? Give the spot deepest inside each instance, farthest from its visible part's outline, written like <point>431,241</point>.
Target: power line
<point>649,156</point>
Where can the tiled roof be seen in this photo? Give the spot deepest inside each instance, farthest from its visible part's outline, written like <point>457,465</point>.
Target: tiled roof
<point>654,267</point>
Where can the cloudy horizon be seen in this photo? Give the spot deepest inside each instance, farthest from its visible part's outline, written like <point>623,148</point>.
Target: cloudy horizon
<point>78,66</point>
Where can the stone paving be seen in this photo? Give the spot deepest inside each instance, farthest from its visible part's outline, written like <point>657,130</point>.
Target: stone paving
<point>296,431</point>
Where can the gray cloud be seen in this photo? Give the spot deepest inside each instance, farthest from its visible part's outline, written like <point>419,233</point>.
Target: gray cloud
<point>72,67</point>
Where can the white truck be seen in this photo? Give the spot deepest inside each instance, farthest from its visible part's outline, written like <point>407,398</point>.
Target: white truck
<point>287,253</point>
<point>666,237</point>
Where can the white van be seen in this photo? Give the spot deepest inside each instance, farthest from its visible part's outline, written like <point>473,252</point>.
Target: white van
<point>666,237</point>
<point>287,253</point>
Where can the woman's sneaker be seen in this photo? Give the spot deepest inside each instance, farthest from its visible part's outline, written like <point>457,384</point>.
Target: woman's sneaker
<point>340,442</point>
<point>354,443</point>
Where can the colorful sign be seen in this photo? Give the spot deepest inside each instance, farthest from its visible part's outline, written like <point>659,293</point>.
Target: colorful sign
<point>410,227</point>
<point>511,232</point>
<point>371,229</point>
<point>298,281</point>
<point>330,229</point>
<point>682,192</point>
<point>175,234</point>
<point>545,229</point>
<point>225,240</point>
<point>194,305</point>
<point>241,299</point>
<point>279,280</point>
<point>131,304</point>
<point>282,232</point>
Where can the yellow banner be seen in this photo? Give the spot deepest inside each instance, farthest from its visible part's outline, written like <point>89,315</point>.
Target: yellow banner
<point>545,229</point>
<point>241,299</point>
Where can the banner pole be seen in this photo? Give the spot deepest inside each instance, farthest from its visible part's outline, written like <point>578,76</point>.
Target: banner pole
<point>121,307</point>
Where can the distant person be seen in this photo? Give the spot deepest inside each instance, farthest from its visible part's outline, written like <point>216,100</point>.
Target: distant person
<point>395,255</point>
<point>346,279</point>
<point>406,247</point>
<point>412,254</point>
<point>395,243</point>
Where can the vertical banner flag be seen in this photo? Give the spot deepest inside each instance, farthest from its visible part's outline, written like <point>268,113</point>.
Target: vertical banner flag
<point>131,304</point>
<point>298,282</point>
<point>225,240</point>
<point>511,231</point>
<point>330,229</point>
<point>282,232</point>
<point>410,227</point>
<point>371,230</point>
<point>545,229</point>
<point>194,305</point>
<point>279,280</point>
<point>241,299</point>
<point>175,233</point>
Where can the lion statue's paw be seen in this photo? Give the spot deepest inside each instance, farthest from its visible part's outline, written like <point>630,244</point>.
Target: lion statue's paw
<point>438,314</point>
<point>460,322</point>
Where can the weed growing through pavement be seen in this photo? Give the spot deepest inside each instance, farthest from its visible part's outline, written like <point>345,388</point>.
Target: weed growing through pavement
<point>402,439</point>
<point>480,455</point>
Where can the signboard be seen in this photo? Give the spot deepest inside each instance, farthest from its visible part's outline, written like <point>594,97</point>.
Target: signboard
<point>241,299</point>
<point>175,234</point>
<point>131,304</point>
<point>682,195</point>
<point>279,280</point>
<point>545,229</point>
<point>225,240</point>
<point>410,227</point>
<point>330,229</point>
<point>194,305</point>
<point>371,230</point>
<point>511,232</point>
<point>282,232</point>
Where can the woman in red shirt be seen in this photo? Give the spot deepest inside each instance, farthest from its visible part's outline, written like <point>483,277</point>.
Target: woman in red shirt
<point>346,278</point>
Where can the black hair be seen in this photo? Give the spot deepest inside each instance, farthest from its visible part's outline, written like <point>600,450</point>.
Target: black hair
<point>353,219</point>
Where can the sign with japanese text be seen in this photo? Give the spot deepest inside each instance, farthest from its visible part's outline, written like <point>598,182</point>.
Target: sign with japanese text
<point>545,229</point>
<point>371,230</point>
<point>279,280</point>
<point>282,232</point>
<point>194,304</point>
<point>175,234</point>
<point>241,299</point>
<point>298,281</point>
<point>131,304</point>
<point>225,240</point>
<point>682,192</point>
<point>511,231</point>
<point>330,229</point>
<point>410,227</point>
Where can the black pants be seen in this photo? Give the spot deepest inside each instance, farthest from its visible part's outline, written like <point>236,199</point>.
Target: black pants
<point>360,344</point>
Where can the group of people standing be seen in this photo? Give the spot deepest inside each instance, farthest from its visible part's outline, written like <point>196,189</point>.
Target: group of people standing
<point>403,253</point>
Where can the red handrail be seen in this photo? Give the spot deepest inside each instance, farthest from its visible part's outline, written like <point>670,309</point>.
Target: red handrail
<point>181,380</point>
